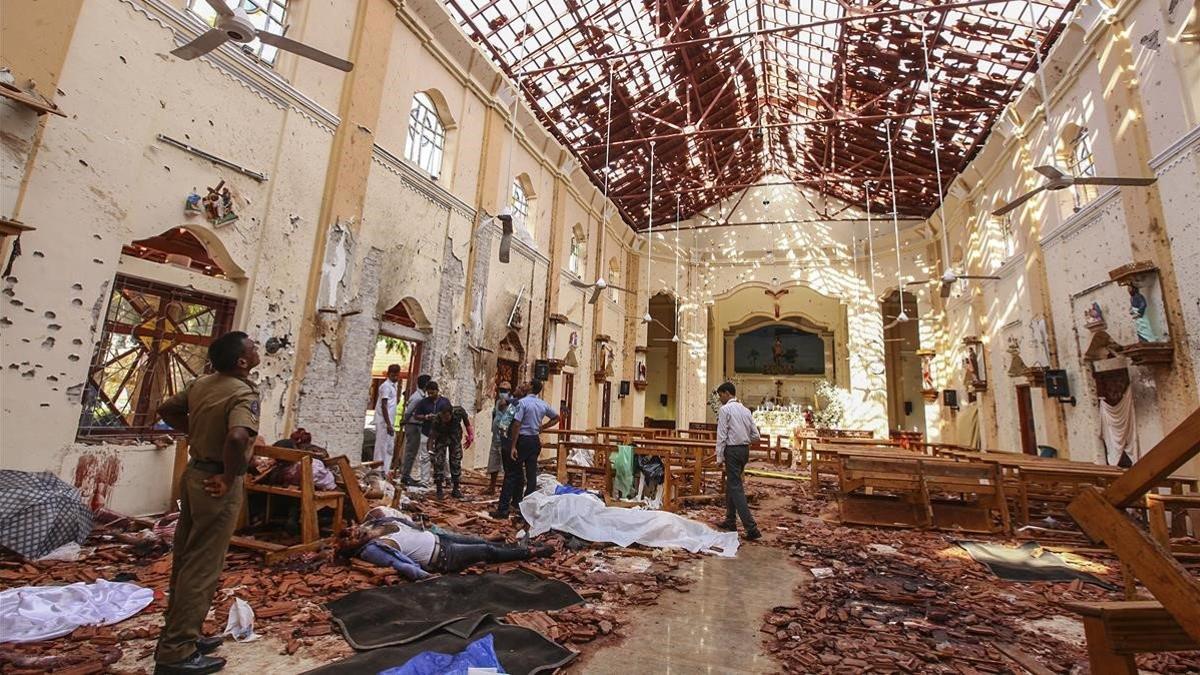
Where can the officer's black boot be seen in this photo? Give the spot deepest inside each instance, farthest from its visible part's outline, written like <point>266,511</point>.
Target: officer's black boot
<point>456,493</point>
<point>439,490</point>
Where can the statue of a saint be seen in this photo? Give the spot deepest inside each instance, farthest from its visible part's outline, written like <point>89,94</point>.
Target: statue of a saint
<point>1137,311</point>
<point>641,371</point>
<point>973,374</point>
<point>777,351</point>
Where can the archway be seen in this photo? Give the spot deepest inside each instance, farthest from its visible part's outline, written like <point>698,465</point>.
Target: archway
<point>171,300</point>
<point>902,364</point>
<point>658,368</point>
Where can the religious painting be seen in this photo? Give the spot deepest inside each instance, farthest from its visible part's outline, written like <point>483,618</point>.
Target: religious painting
<point>779,349</point>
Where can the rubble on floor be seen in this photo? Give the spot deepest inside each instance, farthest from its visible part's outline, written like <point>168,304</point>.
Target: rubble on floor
<point>897,600</point>
<point>287,598</point>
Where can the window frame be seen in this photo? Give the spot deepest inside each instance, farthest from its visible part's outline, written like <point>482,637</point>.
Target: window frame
<point>1081,161</point>
<point>263,53</point>
<point>426,133</point>
<point>143,416</point>
<point>519,203</point>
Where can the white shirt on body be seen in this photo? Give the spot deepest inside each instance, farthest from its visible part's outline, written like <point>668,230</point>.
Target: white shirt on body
<point>735,426</point>
<point>415,544</point>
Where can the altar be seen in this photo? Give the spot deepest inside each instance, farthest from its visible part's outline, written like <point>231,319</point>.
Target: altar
<point>779,422</point>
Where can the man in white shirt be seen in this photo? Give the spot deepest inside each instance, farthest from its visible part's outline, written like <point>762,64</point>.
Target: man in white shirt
<point>385,418</point>
<point>736,432</point>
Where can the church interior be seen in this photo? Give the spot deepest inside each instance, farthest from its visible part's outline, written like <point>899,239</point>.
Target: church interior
<point>938,249</point>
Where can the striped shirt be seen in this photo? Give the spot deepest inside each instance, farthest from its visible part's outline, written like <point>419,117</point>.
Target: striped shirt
<point>735,426</point>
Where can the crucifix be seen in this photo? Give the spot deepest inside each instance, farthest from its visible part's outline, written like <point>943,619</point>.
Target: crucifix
<point>776,294</point>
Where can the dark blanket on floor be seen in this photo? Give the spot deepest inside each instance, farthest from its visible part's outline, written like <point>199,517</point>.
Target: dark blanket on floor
<point>1028,562</point>
<point>394,615</point>
<point>520,650</point>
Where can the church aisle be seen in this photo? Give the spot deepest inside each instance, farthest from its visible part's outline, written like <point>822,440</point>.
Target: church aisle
<point>714,627</point>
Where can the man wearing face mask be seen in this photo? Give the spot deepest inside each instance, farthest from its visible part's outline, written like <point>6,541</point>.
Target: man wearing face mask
<point>495,462</point>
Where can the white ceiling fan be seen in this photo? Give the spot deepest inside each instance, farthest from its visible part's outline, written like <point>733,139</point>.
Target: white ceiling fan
<point>598,287</point>
<point>947,280</point>
<point>233,25</point>
<point>1057,180</point>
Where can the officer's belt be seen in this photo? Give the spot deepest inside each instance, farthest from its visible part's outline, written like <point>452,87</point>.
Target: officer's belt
<point>207,465</point>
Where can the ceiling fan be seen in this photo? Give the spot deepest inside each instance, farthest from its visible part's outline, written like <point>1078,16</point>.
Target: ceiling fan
<point>1057,180</point>
<point>233,25</point>
<point>598,287</point>
<point>947,280</point>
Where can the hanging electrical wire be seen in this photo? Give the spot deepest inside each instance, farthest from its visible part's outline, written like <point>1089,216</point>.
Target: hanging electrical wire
<point>902,316</point>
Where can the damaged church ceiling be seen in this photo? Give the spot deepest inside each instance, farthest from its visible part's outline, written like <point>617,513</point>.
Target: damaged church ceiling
<point>730,91</point>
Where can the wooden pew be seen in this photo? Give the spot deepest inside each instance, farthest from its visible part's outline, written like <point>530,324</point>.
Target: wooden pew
<point>1100,515</point>
<point>1116,631</point>
<point>913,491</point>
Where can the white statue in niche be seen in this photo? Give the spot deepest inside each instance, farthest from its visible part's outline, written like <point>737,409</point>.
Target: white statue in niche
<point>1040,340</point>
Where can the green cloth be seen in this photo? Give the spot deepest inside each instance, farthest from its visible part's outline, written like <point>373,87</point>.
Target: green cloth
<point>622,464</point>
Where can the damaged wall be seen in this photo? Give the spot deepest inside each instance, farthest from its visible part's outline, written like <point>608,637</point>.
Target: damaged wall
<point>1133,97</point>
<point>101,179</point>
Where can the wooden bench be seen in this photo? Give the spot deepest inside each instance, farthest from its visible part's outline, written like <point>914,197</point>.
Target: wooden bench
<point>311,501</point>
<point>1157,506</point>
<point>914,491</point>
<point>1116,631</point>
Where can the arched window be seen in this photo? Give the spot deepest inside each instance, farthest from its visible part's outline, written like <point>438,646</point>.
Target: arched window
<point>576,254</point>
<point>265,15</point>
<point>1080,161</point>
<point>520,204</point>
<point>426,142</point>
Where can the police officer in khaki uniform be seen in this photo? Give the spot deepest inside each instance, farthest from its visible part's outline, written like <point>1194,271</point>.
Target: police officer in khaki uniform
<point>219,412</point>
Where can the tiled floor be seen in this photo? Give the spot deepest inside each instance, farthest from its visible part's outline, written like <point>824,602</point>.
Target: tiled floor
<point>714,628</point>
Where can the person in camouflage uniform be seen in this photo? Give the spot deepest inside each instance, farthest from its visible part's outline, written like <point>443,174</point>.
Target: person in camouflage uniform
<point>446,439</point>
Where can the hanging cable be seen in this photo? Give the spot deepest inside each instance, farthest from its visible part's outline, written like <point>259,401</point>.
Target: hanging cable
<point>607,141</point>
<point>675,330</point>
<point>870,243</point>
<point>895,221</point>
<point>937,164</point>
<point>650,236</point>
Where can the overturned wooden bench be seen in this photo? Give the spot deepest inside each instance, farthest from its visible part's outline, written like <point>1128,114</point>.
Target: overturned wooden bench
<point>1117,630</point>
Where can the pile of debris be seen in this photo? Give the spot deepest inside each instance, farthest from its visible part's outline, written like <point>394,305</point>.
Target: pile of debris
<point>288,598</point>
<point>914,601</point>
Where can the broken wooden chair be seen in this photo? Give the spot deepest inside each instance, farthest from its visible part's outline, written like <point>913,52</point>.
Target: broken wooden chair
<point>1117,630</point>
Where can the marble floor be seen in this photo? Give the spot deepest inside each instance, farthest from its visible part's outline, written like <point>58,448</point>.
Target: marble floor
<point>713,628</point>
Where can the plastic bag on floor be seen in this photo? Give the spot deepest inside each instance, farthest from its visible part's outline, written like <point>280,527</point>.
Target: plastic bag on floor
<point>622,463</point>
<point>478,656</point>
<point>240,625</point>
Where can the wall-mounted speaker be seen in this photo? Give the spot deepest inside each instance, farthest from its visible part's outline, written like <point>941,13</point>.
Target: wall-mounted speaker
<point>950,398</point>
<point>662,400</point>
<point>541,370</point>
<point>623,391</point>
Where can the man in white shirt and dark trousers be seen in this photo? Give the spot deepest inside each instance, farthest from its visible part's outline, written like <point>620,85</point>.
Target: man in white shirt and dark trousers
<point>385,418</point>
<point>736,432</point>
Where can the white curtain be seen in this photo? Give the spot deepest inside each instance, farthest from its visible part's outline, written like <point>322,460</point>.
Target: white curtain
<point>1118,429</point>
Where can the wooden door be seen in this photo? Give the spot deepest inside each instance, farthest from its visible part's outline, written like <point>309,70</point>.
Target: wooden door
<point>606,404</point>
<point>568,401</point>
<point>1025,418</point>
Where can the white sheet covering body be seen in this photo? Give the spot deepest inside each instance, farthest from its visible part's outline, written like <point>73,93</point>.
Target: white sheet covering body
<point>588,518</point>
<point>33,613</point>
<point>1118,429</point>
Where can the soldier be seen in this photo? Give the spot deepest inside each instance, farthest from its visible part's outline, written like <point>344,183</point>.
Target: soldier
<point>446,438</point>
<point>219,413</point>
